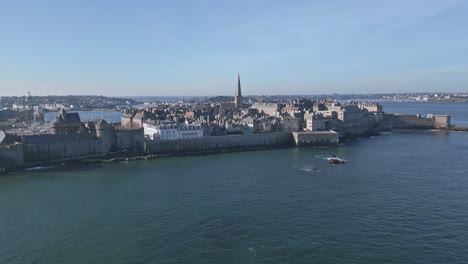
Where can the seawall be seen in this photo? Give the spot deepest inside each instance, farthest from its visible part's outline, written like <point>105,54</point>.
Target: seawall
<point>116,144</point>
<point>219,144</point>
<point>459,128</point>
<point>11,156</point>
<point>405,121</point>
<point>315,138</point>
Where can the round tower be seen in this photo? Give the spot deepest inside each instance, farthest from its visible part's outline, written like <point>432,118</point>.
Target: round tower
<point>103,131</point>
<point>65,123</point>
<point>55,126</point>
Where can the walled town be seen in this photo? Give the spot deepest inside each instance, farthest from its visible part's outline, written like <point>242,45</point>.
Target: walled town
<point>185,128</point>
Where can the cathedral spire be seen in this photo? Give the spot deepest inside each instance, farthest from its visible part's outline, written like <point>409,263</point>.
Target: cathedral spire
<point>238,92</point>
<point>238,97</point>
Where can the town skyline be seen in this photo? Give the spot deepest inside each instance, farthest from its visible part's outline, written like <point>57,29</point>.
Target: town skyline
<point>186,48</point>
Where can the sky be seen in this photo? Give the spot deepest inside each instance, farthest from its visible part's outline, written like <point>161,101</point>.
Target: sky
<point>197,47</point>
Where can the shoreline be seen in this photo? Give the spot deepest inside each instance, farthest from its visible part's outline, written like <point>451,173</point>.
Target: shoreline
<point>117,157</point>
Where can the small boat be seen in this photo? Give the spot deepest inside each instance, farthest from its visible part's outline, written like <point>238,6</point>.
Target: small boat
<point>335,160</point>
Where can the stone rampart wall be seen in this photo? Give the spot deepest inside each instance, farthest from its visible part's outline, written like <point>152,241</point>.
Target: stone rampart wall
<point>407,121</point>
<point>318,138</point>
<point>61,151</point>
<point>219,143</point>
<point>442,121</point>
<point>46,138</point>
<point>127,139</point>
<point>11,156</point>
<point>351,131</point>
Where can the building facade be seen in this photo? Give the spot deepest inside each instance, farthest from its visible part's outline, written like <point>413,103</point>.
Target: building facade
<point>172,131</point>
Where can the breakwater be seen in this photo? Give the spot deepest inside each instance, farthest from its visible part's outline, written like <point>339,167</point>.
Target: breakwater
<point>459,128</point>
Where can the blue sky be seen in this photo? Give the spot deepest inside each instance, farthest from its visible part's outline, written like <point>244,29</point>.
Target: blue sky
<point>197,47</point>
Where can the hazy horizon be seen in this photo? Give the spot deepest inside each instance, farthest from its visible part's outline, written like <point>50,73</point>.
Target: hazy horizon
<point>222,95</point>
<point>177,48</point>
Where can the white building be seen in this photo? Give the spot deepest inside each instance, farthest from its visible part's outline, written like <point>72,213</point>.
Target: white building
<point>271,109</point>
<point>171,131</point>
<point>371,107</point>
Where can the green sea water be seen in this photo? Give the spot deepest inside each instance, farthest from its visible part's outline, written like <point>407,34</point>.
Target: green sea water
<point>400,198</point>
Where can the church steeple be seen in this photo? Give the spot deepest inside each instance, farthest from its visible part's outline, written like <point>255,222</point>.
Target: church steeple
<point>238,92</point>
<point>238,97</point>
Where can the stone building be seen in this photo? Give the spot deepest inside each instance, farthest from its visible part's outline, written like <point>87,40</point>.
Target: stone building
<point>371,107</point>
<point>270,109</point>
<point>290,123</point>
<point>133,118</point>
<point>65,123</point>
<point>314,121</point>
<point>170,130</point>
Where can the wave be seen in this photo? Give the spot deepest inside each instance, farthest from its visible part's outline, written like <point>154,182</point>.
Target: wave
<point>322,156</point>
<point>38,168</point>
<point>307,169</point>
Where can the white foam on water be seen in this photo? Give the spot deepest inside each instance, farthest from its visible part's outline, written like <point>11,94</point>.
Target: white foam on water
<point>306,168</point>
<point>309,169</point>
<point>38,168</point>
<point>322,156</point>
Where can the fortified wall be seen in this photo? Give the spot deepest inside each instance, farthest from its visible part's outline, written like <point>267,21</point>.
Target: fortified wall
<point>70,140</point>
<point>39,148</point>
<point>415,121</point>
<point>127,139</point>
<point>351,131</point>
<point>241,142</point>
<point>11,156</point>
<point>316,138</point>
<point>219,144</point>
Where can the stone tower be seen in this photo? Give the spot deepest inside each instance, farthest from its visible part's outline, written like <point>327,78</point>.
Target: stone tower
<point>103,131</point>
<point>238,97</point>
<point>65,123</point>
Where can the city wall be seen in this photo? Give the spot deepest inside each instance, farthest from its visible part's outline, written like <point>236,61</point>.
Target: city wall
<point>441,121</point>
<point>11,156</point>
<point>220,144</point>
<point>39,149</point>
<point>352,131</point>
<point>316,138</point>
<point>241,142</point>
<point>127,139</point>
<point>62,150</point>
<point>415,121</point>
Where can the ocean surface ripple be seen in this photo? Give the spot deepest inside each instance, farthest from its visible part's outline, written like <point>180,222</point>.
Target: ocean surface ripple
<point>400,198</point>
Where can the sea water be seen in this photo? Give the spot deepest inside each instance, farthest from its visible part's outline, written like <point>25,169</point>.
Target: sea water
<point>400,198</point>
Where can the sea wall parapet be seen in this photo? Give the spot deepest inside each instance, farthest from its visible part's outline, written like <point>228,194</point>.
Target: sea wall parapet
<point>11,156</point>
<point>430,121</point>
<point>219,143</point>
<point>316,138</point>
